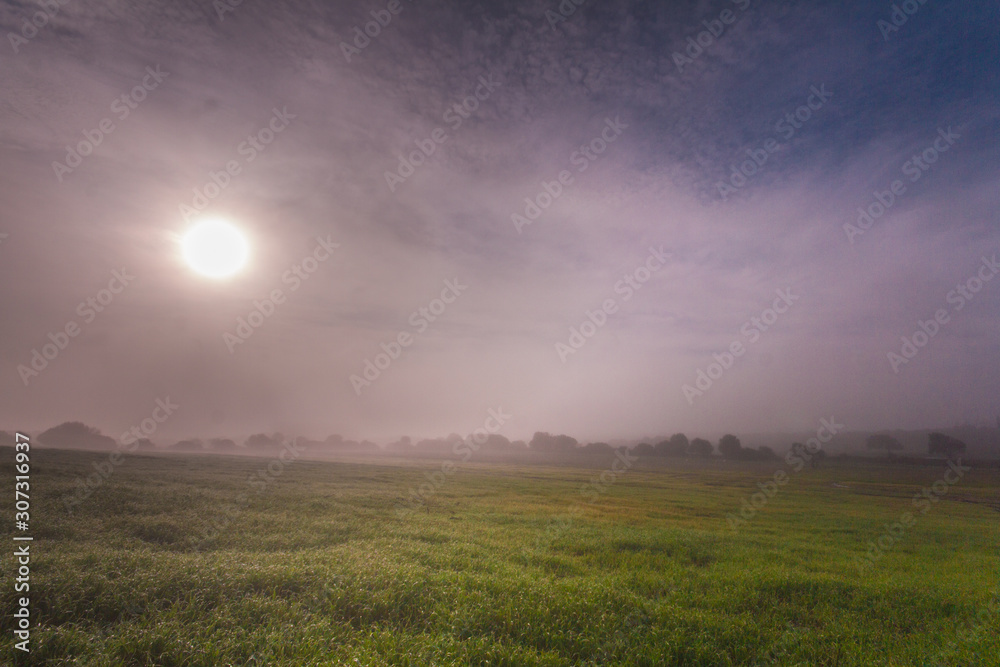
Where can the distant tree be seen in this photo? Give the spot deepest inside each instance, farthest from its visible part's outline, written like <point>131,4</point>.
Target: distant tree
<point>701,448</point>
<point>730,447</point>
<point>883,441</point>
<point>222,445</point>
<point>544,442</point>
<point>598,449</point>
<point>305,444</point>
<point>540,441</point>
<point>262,442</point>
<point>765,453</point>
<point>145,444</point>
<point>565,443</point>
<point>496,443</point>
<point>6,438</point>
<point>192,445</point>
<point>939,444</point>
<point>76,434</point>
<point>334,442</point>
<point>819,458</point>
<point>814,459</point>
<point>677,445</point>
<point>519,445</point>
<point>644,449</point>
<point>403,445</point>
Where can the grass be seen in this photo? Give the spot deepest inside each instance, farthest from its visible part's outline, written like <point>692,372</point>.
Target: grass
<point>505,565</point>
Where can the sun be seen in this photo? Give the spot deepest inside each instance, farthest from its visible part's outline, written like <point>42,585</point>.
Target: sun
<point>215,248</point>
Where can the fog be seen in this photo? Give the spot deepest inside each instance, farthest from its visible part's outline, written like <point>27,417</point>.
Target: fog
<point>555,213</point>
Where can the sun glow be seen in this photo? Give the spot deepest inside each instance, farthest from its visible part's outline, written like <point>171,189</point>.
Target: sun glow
<point>215,248</point>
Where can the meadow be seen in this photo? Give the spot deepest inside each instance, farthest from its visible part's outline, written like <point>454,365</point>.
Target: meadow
<point>185,560</point>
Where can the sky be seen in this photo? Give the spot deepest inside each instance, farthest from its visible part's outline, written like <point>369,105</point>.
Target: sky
<point>640,218</point>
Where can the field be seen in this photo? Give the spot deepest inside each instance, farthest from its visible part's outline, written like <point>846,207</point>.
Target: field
<point>207,560</point>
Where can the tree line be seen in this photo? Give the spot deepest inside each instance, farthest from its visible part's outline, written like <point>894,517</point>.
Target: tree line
<point>79,435</point>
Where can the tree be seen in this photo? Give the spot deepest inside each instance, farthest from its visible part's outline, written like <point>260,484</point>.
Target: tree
<point>701,448</point>
<point>403,445</point>
<point>76,434</point>
<point>814,459</point>
<point>145,444</point>
<point>598,448</point>
<point>544,442</point>
<point>304,444</point>
<point>222,444</point>
<point>730,447</point>
<point>264,443</point>
<point>939,444</point>
<point>644,449</point>
<point>337,443</point>
<point>677,445</point>
<point>818,459</point>
<point>766,453</point>
<point>496,443</point>
<point>883,441</point>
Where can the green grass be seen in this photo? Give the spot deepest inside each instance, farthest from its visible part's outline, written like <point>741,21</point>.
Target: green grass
<point>506,565</point>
